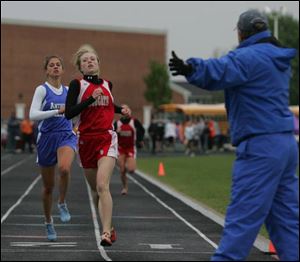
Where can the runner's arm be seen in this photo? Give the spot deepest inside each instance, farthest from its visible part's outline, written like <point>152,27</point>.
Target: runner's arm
<point>36,113</point>
<point>72,108</point>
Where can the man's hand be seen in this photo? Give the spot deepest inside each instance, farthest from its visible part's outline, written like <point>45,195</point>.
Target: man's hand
<point>178,67</point>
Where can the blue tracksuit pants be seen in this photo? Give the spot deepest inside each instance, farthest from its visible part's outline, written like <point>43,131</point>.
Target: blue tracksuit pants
<point>264,190</point>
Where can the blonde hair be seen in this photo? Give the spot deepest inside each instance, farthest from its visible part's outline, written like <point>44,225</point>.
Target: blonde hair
<point>86,48</point>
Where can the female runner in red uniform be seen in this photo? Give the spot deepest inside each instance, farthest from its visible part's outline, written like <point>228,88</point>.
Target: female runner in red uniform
<point>91,100</point>
<point>130,134</point>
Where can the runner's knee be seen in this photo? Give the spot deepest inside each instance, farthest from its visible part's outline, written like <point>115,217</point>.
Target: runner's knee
<point>102,188</point>
<point>48,190</point>
<point>64,170</point>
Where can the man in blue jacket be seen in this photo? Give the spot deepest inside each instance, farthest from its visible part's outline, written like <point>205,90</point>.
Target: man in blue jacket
<point>255,78</point>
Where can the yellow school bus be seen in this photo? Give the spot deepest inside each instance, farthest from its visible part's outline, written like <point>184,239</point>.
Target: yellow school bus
<point>215,111</point>
<point>205,109</point>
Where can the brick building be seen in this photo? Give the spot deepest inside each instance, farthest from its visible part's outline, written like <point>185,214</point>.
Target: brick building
<point>124,55</point>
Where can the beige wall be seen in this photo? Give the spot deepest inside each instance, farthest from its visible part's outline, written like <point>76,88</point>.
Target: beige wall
<point>124,59</point>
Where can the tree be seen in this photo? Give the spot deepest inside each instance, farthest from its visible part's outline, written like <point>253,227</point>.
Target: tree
<point>157,82</point>
<point>288,34</point>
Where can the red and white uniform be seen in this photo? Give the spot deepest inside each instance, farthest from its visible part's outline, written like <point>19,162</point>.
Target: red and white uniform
<point>95,125</point>
<point>126,138</point>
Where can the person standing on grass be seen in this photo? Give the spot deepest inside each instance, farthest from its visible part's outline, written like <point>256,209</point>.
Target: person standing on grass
<point>90,100</point>
<point>26,127</point>
<point>255,78</point>
<point>56,142</point>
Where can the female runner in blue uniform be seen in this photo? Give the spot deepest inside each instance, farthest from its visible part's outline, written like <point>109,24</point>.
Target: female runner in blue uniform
<point>56,142</point>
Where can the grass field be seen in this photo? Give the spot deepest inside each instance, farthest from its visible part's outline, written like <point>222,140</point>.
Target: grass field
<point>206,179</point>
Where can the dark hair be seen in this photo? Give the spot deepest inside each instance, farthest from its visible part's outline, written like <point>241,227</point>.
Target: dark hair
<point>257,28</point>
<point>48,58</point>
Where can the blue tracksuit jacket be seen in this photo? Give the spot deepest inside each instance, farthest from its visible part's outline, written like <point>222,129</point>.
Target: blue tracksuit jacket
<point>255,78</point>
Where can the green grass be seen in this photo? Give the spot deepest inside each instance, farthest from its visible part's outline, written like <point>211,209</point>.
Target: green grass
<point>206,179</point>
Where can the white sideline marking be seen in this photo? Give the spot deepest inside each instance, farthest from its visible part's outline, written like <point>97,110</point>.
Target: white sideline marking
<point>14,166</point>
<point>20,199</point>
<point>175,213</point>
<point>39,244</point>
<point>96,225</point>
<point>162,246</point>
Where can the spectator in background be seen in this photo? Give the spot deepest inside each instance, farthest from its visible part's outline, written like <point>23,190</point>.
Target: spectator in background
<point>199,128</point>
<point>160,131</point>
<point>3,135</point>
<point>212,134</point>
<point>26,127</point>
<point>13,131</point>
<point>218,136</point>
<point>189,133</point>
<point>170,133</point>
<point>205,137</point>
<point>152,131</point>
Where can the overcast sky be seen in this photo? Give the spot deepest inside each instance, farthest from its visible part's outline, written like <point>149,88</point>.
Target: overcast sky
<point>193,28</point>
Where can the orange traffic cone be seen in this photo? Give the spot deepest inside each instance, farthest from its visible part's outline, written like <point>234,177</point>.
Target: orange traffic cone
<point>161,169</point>
<point>272,249</point>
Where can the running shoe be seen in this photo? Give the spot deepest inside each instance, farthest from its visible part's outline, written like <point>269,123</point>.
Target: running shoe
<point>124,191</point>
<point>106,239</point>
<point>113,235</point>
<point>50,231</point>
<point>64,212</point>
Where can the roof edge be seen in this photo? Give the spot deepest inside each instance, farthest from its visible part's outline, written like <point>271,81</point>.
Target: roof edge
<point>94,27</point>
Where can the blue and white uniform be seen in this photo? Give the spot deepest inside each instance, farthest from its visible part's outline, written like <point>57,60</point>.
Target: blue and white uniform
<point>54,130</point>
<point>255,78</point>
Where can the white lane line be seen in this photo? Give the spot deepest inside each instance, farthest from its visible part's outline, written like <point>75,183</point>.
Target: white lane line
<point>19,215</point>
<point>39,244</point>
<point>260,243</point>
<point>42,225</point>
<point>43,237</point>
<point>96,225</point>
<point>175,213</point>
<point>3,218</point>
<point>14,166</point>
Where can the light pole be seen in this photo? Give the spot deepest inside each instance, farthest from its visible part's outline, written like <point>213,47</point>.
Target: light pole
<point>276,16</point>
